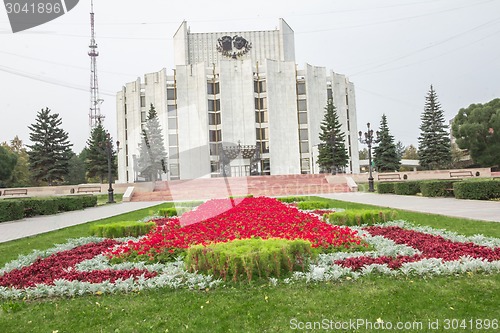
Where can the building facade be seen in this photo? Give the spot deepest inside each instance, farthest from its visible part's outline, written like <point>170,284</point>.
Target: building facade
<point>236,104</point>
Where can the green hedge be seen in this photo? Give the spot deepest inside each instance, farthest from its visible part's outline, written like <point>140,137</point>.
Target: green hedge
<point>407,188</point>
<point>477,189</point>
<point>385,187</point>
<point>35,207</point>
<point>121,229</point>
<point>67,204</point>
<point>437,188</point>
<point>354,217</point>
<point>30,207</point>
<point>248,259</point>
<point>173,211</point>
<point>311,205</point>
<point>11,210</point>
<point>292,199</point>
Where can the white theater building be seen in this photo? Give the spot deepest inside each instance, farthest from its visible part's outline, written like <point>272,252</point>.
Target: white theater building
<point>236,104</point>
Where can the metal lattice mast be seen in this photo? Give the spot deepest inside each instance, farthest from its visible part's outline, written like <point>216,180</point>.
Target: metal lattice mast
<point>95,102</point>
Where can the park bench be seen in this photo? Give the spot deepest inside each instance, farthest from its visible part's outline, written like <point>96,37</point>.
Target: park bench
<point>389,176</point>
<point>88,189</point>
<point>16,191</point>
<point>460,174</point>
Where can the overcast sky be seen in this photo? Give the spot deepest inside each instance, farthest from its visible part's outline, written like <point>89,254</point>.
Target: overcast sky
<point>392,50</point>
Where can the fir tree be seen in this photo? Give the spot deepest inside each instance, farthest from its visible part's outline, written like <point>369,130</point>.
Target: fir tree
<point>434,147</point>
<point>386,156</point>
<point>96,154</point>
<point>50,152</point>
<point>152,153</point>
<point>332,152</point>
<point>77,169</point>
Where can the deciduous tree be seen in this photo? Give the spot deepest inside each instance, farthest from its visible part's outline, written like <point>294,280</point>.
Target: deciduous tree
<point>477,129</point>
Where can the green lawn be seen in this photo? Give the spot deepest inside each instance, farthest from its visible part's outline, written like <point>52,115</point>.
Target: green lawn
<point>260,307</point>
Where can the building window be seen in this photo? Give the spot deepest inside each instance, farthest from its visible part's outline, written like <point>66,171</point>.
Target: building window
<point>171,94</point>
<point>265,165</point>
<point>215,135</point>
<point>213,88</point>
<point>214,105</point>
<point>143,117</point>
<point>302,117</point>
<point>172,110</point>
<point>172,123</point>
<point>329,94</point>
<point>143,101</point>
<point>174,170</point>
<point>261,117</point>
<point>303,135</point>
<point>262,133</point>
<point>260,103</point>
<point>214,166</point>
<point>172,140</point>
<point>263,146</point>
<point>259,86</point>
<point>173,152</point>
<point>302,104</point>
<point>301,88</point>
<point>304,147</point>
<point>214,118</point>
<point>214,149</point>
<point>304,164</point>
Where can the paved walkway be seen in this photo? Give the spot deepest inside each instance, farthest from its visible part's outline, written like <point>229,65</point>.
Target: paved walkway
<point>469,209</point>
<point>41,224</point>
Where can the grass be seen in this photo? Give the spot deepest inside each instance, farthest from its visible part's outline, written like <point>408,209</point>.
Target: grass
<point>260,307</point>
<point>102,199</point>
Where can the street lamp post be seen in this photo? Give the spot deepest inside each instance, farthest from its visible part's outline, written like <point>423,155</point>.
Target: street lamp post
<point>109,153</point>
<point>368,140</point>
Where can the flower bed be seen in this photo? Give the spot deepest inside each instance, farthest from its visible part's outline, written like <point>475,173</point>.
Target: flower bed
<point>83,266</point>
<point>61,266</point>
<point>224,220</point>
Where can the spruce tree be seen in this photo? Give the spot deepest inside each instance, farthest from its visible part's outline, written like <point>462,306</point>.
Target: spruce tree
<point>386,156</point>
<point>332,152</point>
<point>96,153</point>
<point>50,152</point>
<point>152,154</point>
<point>434,146</point>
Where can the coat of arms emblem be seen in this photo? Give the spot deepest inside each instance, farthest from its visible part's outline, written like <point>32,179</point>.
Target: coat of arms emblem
<point>233,47</point>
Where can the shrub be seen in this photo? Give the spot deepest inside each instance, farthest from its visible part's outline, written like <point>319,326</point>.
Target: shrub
<point>45,206</point>
<point>437,188</point>
<point>88,200</point>
<point>173,211</point>
<point>69,203</point>
<point>122,229</point>
<point>311,205</point>
<point>407,188</point>
<point>385,187</point>
<point>361,216</point>
<point>11,210</point>
<point>292,199</point>
<point>249,258</point>
<point>477,189</point>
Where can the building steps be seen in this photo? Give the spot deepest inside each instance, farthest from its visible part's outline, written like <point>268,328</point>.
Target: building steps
<point>208,188</point>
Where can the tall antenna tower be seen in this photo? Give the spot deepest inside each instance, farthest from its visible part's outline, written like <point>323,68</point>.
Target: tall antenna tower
<point>95,102</point>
